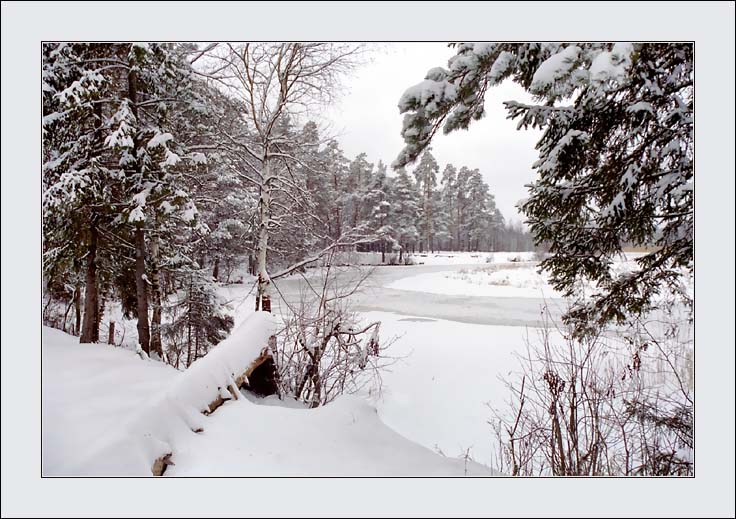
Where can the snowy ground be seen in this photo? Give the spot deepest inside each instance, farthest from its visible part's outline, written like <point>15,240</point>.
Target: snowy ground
<point>497,280</point>
<point>87,389</point>
<point>455,343</point>
<point>344,438</point>
<point>95,396</point>
<point>470,258</point>
<point>458,320</point>
<point>503,275</point>
<point>439,393</point>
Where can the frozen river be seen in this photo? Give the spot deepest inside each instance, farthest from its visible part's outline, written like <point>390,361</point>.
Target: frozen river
<point>454,349</point>
<point>377,296</point>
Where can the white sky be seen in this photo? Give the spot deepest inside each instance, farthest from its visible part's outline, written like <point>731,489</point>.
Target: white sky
<point>366,119</point>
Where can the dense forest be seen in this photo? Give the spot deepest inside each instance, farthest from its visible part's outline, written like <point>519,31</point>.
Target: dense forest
<point>153,186</point>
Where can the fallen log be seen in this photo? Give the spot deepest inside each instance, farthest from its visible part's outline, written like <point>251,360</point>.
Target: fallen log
<point>241,360</point>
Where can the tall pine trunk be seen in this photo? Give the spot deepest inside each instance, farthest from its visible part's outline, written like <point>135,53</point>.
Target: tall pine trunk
<point>101,311</point>
<point>77,309</point>
<point>90,328</point>
<point>427,215</point>
<point>189,322</point>
<point>156,298</point>
<point>144,334</point>
<point>458,222</point>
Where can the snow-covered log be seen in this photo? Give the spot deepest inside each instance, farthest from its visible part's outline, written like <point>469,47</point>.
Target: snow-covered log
<point>150,437</point>
<point>226,366</point>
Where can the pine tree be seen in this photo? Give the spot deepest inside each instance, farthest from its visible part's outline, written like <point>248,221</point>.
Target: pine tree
<point>197,321</point>
<point>404,213</point>
<point>378,201</point>
<point>154,163</point>
<point>426,175</point>
<point>117,141</point>
<point>461,209</point>
<point>335,166</point>
<point>319,182</point>
<point>448,202</point>
<point>77,180</point>
<point>475,212</point>
<point>615,159</point>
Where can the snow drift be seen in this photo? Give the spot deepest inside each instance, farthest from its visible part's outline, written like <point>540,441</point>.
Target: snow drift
<point>108,413</point>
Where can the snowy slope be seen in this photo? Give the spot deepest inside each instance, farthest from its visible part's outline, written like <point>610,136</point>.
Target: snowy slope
<point>441,392</point>
<point>87,390</point>
<point>344,438</point>
<point>107,412</point>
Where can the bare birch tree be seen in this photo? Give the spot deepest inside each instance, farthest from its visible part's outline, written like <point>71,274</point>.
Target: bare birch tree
<point>274,82</point>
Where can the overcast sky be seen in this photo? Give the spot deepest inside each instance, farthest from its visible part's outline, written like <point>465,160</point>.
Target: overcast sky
<point>366,119</point>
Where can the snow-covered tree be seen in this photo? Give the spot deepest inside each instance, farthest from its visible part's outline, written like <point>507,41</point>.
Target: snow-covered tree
<point>335,165</point>
<point>404,211</point>
<point>119,125</point>
<point>76,178</point>
<point>154,161</point>
<point>356,187</point>
<point>198,320</point>
<point>378,201</point>
<point>615,158</point>
<point>426,175</point>
<point>446,218</point>
<point>319,182</point>
<point>461,208</point>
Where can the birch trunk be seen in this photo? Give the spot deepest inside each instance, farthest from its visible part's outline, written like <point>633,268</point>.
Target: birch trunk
<point>263,298</point>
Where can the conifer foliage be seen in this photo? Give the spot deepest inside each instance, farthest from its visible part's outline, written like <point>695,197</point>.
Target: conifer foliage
<point>615,157</point>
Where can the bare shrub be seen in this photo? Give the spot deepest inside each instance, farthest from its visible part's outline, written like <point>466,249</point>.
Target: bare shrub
<point>323,349</point>
<point>616,403</point>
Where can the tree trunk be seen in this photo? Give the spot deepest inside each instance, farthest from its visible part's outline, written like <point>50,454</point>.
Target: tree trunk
<point>156,299</point>
<point>144,334</point>
<point>196,343</point>
<point>427,216</point>
<point>66,313</point>
<point>263,298</point>
<point>140,241</point>
<point>458,222</point>
<point>216,270</point>
<point>189,327</point>
<point>111,333</point>
<point>90,328</point>
<point>77,310</point>
<point>101,313</point>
